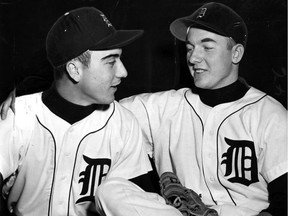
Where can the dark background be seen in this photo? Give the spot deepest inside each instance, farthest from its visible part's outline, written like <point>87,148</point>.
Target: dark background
<point>154,62</point>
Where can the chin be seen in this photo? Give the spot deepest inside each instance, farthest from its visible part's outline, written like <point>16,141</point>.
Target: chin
<point>200,85</point>
<point>109,100</point>
<point>104,100</point>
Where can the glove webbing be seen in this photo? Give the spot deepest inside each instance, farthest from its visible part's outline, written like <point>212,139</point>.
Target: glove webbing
<point>187,201</point>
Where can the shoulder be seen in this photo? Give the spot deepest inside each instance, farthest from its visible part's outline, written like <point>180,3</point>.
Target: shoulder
<point>28,102</point>
<point>155,104</point>
<point>262,101</point>
<point>122,116</point>
<point>122,111</point>
<point>26,107</point>
<point>156,98</point>
<point>262,109</point>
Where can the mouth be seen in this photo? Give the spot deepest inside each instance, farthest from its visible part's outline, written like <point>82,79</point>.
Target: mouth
<point>199,70</point>
<point>114,86</point>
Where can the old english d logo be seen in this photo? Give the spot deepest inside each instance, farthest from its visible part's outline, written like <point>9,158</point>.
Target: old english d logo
<point>108,23</point>
<point>241,158</point>
<point>201,13</point>
<point>97,167</point>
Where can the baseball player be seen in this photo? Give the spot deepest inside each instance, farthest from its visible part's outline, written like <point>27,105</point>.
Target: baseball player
<point>62,143</point>
<point>223,138</point>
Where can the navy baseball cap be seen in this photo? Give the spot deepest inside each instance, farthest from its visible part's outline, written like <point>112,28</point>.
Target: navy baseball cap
<point>81,29</point>
<point>215,17</point>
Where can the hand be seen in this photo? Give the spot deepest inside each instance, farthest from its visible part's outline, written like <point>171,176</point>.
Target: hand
<point>9,102</point>
<point>2,204</point>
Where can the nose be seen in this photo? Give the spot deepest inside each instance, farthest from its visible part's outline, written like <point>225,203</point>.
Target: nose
<point>194,57</point>
<point>121,71</point>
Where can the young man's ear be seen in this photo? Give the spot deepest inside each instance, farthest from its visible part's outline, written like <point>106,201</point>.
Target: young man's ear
<point>237,53</point>
<point>73,71</point>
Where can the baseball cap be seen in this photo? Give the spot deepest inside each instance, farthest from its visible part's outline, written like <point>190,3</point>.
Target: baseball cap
<point>214,17</point>
<point>81,29</point>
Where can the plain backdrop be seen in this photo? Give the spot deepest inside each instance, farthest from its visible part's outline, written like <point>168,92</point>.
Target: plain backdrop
<point>156,61</point>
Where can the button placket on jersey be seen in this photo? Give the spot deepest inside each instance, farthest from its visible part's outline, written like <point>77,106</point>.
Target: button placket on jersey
<point>64,170</point>
<point>209,151</point>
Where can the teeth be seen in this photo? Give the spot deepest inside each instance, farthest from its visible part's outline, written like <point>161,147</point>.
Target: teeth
<point>199,71</point>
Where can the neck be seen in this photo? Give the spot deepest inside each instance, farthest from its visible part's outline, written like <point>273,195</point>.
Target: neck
<point>70,92</point>
<point>65,109</point>
<point>229,93</point>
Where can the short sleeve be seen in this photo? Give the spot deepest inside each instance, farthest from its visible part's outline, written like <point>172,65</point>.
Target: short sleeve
<point>274,140</point>
<point>9,150</point>
<point>133,160</point>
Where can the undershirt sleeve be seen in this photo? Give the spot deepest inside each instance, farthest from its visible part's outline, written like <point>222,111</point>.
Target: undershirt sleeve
<point>277,190</point>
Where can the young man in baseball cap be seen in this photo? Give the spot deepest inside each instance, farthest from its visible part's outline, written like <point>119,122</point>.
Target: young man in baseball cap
<point>223,138</point>
<point>61,144</point>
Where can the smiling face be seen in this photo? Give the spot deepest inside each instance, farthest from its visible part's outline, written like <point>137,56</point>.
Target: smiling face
<point>98,82</point>
<point>210,59</point>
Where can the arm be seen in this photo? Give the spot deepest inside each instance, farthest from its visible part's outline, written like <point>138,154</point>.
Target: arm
<point>277,196</point>
<point>132,160</point>
<point>4,107</point>
<point>9,102</point>
<point>148,182</point>
<point>1,198</point>
<point>275,158</point>
<point>147,108</point>
<point>3,202</point>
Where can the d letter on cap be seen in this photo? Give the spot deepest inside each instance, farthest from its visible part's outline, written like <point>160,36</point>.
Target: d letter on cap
<point>202,13</point>
<point>106,20</point>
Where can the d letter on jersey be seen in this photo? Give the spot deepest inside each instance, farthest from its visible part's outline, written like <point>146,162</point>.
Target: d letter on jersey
<point>241,160</point>
<point>96,167</point>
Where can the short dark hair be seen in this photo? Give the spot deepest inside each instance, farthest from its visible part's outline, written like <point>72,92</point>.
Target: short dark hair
<point>230,43</point>
<point>84,58</point>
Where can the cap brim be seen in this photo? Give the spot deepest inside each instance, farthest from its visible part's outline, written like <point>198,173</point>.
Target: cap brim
<point>179,27</point>
<point>119,39</point>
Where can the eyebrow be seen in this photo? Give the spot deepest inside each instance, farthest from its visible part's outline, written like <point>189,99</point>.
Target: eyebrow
<point>204,40</point>
<point>110,56</point>
<point>208,40</point>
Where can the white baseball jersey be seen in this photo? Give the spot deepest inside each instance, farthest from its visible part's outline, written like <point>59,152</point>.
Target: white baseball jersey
<point>227,153</point>
<point>61,165</point>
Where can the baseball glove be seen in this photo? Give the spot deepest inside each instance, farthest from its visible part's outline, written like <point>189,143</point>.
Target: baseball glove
<point>187,201</point>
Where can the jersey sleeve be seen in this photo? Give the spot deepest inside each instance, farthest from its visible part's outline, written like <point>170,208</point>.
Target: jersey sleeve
<point>9,150</point>
<point>132,159</point>
<point>273,139</point>
<point>149,109</point>
<point>140,107</point>
<point>15,132</point>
